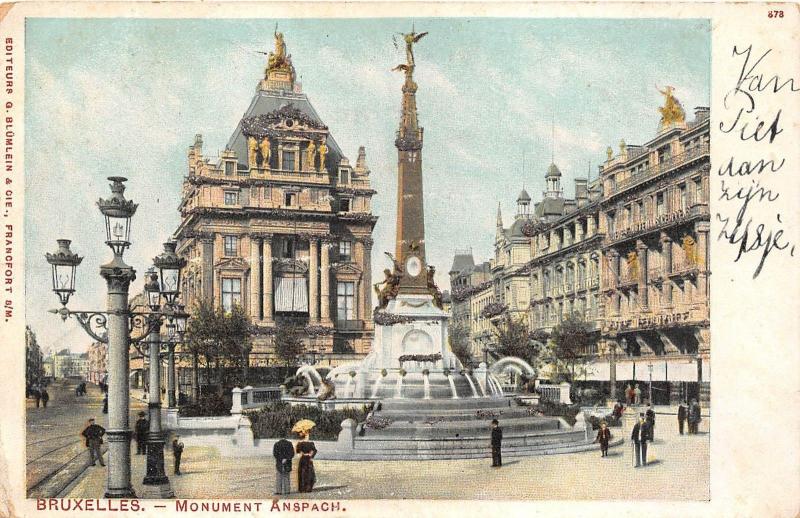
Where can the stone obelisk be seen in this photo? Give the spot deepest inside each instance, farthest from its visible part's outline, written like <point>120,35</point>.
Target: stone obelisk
<point>410,239</point>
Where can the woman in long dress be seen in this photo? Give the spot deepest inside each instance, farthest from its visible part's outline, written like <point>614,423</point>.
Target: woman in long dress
<point>305,474</point>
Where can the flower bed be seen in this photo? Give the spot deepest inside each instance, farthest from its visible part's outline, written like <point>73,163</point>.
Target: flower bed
<point>420,358</point>
<point>277,418</point>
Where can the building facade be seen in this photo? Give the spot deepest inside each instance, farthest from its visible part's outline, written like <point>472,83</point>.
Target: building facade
<point>34,359</point>
<point>629,255</point>
<point>281,223</point>
<point>655,281</point>
<point>67,364</point>
<point>471,290</point>
<point>96,362</point>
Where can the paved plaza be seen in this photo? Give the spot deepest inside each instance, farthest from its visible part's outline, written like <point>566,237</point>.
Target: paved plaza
<point>55,450</point>
<point>678,470</point>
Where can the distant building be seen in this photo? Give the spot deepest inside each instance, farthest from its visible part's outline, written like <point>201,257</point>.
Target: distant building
<point>67,364</point>
<point>281,224</point>
<point>97,367</point>
<point>34,359</point>
<point>470,284</point>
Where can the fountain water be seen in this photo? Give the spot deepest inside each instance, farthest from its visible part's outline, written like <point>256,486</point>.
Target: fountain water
<point>398,391</point>
<point>471,385</point>
<point>452,386</point>
<point>347,386</point>
<point>427,384</point>
<point>375,386</point>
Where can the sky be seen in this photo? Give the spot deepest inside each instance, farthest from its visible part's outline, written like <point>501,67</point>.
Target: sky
<point>498,99</point>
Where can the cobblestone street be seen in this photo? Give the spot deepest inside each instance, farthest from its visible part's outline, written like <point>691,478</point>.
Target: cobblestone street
<point>53,441</point>
<point>678,470</point>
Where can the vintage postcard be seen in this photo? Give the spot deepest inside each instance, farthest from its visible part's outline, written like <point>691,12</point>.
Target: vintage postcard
<point>379,259</point>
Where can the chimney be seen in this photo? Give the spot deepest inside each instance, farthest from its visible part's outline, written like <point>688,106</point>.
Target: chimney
<point>701,113</point>
<point>581,191</point>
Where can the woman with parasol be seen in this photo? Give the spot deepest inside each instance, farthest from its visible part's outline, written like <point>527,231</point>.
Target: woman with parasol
<point>305,474</point>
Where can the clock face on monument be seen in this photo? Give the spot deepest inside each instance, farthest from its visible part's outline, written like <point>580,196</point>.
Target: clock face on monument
<point>413,266</point>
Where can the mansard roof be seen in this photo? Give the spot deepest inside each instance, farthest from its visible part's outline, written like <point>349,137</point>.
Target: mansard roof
<point>269,102</point>
<point>462,262</point>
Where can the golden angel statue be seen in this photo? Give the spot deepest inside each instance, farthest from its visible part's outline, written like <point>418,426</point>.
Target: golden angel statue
<point>278,57</point>
<point>672,112</point>
<point>411,38</point>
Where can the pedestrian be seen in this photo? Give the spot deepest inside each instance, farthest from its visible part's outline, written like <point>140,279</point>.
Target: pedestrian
<point>306,476</point>
<point>637,395</point>
<point>105,403</point>
<point>94,438</point>
<point>694,417</point>
<point>603,437</point>
<point>617,412</point>
<point>177,451</point>
<point>83,388</point>
<point>140,432</point>
<point>639,437</point>
<point>681,416</point>
<point>497,444</point>
<point>45,397</point>
<point>283,451</point>
<point>37,396</point>
<point>650,417</point>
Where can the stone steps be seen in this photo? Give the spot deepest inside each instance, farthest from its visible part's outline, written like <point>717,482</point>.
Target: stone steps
<point>503,413</point>
<point>467,441</point>
<point>473,453</point>
<point>422,405</point>
<point>474,428</point>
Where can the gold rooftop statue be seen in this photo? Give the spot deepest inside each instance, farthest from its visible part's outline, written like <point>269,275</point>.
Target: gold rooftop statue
<point>672,112</point>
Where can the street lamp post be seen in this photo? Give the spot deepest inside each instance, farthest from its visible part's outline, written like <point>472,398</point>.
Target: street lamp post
<point>114,327</point>
<point>650,388</point>
<point>117,212</point>
<point>164,284</point>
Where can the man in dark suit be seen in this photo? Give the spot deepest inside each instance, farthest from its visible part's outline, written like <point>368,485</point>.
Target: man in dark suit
<point>94,438</point>
<point>640,435</point>
<point>141,428</point>
<point>177,452</point>
<point>283,451</point>
<point>650,417</point>
<point>497,444</point>
<point>681,416</point>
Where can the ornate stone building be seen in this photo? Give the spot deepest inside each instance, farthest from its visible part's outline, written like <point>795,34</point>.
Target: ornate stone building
<point>564,270</point>
<point>511,252</point>
<point>471,290</point>
<point>655,214</point>
<point>281,222</point>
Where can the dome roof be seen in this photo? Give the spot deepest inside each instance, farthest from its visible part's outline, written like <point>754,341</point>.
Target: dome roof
<point>523,196</point>
<point>553,170</point>
<point>516,228</point>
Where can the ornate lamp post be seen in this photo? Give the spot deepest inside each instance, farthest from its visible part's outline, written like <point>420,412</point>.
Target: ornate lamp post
<point>165,284</point>
<point>114,322</point>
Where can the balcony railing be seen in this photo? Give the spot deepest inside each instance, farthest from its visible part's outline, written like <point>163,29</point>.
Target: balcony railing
<point>657,169</point>
<point>349,325</point>
<point>670,218</point>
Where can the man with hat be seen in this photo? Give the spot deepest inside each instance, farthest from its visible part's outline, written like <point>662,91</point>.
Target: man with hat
<point>177,451</point>
<point>283,451</point>
<point>94,438</point>
<point>140,429</point>
<point>639,436</point>
<point>497,444</point>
